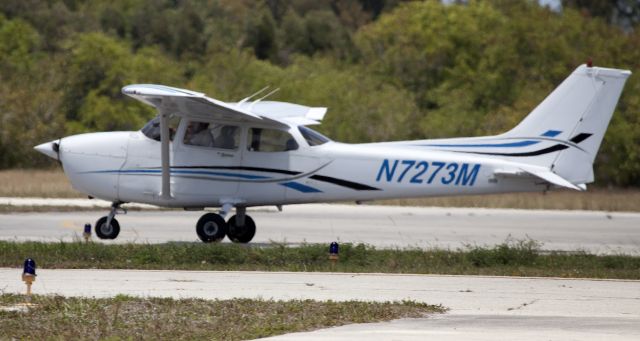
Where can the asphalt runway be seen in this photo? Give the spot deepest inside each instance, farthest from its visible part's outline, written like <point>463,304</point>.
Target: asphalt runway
<point>481,308</point>
<point>381,226</point>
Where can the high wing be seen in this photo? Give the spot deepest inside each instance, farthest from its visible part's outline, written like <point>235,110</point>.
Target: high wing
<point>193,104</point>
<point>186,103</point>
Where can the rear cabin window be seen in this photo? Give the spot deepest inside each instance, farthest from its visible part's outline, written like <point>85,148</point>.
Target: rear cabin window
<point>213,135</point>
<point>270,140</point>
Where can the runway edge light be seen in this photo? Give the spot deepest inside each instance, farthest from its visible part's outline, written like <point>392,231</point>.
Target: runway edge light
<point>334,249</point>
<point>87,232</point>
<point>29,273</point>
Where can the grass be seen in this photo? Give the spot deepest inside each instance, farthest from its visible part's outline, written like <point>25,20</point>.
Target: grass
<point>52,183</point>
<point>615,200</point>
<point>511,258</point>
<point>49,183</point>
<point>124,317</point>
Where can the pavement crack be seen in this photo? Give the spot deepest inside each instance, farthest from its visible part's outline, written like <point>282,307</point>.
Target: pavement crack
<point>522,306</point>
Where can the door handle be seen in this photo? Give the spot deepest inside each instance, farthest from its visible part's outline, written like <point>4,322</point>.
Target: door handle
<point>222,154</point>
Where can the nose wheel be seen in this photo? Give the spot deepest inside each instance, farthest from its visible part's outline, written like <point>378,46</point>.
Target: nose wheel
<point>105,230</point>
<point>108,227</point>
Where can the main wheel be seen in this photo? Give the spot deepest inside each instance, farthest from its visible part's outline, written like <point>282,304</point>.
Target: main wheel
<point>241,234</point>
<point>107,232</point>
<point>211,228</point>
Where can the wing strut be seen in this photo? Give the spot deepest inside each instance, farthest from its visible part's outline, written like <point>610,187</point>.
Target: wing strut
<point>164,154</point>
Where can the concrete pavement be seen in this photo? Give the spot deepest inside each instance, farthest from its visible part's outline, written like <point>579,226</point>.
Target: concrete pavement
<point>482,308</point>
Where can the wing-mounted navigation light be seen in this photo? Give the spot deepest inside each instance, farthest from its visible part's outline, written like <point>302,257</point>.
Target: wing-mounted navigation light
<point>29,273</point>
<point>589,62</point>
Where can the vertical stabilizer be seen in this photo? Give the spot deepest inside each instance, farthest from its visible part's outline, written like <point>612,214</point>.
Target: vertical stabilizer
<point>562,134</point>
<point>574,119</point>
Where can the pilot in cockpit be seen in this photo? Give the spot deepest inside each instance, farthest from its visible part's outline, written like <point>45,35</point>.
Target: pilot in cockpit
<point>198,134</point>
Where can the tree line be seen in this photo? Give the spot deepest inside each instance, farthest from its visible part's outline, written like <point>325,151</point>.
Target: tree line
<point>386,69</point>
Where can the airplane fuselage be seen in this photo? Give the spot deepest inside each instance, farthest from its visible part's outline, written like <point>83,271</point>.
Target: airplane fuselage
<point>125,167</point>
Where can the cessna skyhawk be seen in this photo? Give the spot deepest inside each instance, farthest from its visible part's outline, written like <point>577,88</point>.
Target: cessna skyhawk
<point>200,152</point>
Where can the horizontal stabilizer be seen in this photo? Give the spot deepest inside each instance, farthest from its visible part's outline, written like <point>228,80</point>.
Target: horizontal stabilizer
<point>543,174</point>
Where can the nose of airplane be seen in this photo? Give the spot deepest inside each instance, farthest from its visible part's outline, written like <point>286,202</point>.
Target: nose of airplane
<point>50,149</point>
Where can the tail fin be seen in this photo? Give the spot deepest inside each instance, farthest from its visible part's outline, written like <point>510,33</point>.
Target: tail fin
<point>572,122</point>
<point>562,134</point>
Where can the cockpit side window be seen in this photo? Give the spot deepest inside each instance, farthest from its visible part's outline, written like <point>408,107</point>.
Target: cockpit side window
<point>313,137</point>
<point>198,134</point>
<point>152,128</point>
<point>270,140</point>
<point>205,134</point>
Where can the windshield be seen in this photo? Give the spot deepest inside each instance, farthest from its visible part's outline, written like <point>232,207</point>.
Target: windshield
<point>313,137</point>
<point>152,128</point>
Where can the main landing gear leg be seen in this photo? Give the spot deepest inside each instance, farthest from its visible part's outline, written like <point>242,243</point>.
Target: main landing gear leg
<point>108,227</point>
<point>241,227</point>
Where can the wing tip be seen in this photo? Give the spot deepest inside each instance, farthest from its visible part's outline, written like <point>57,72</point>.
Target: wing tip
<point>316,113</point>
<point>158,90</point>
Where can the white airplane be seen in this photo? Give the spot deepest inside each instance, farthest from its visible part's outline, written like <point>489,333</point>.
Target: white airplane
<point>200,152</point>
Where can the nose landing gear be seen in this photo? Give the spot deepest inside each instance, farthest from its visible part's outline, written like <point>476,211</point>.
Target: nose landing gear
<point>108,227</point>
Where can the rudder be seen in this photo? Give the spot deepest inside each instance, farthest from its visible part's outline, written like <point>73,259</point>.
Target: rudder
<point>576,114</point>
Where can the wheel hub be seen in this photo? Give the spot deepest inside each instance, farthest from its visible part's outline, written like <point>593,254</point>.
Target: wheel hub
<point>210,228</point>
<point>106,229</point>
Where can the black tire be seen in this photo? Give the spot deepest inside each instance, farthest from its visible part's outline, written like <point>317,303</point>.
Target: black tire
<point>241,234</point>
<point>107,232</point>
<point>211,228</point>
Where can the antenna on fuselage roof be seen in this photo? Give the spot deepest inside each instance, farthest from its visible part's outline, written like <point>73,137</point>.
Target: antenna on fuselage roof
<point>252,96</point>
<point>263,97</point>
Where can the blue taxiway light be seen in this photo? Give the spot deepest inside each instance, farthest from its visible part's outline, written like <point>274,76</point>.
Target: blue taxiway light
<point>334,248</point>
<point>29,267</point>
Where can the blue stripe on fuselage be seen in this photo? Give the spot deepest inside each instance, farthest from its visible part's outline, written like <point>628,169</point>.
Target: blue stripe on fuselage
<point>189,172</point>
<point>300,187</point>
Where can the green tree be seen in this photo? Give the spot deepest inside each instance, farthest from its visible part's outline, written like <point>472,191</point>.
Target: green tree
<point>486,65</point>
<point>99,66</point>
<point>261,34</point>
<point>29,105</point>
